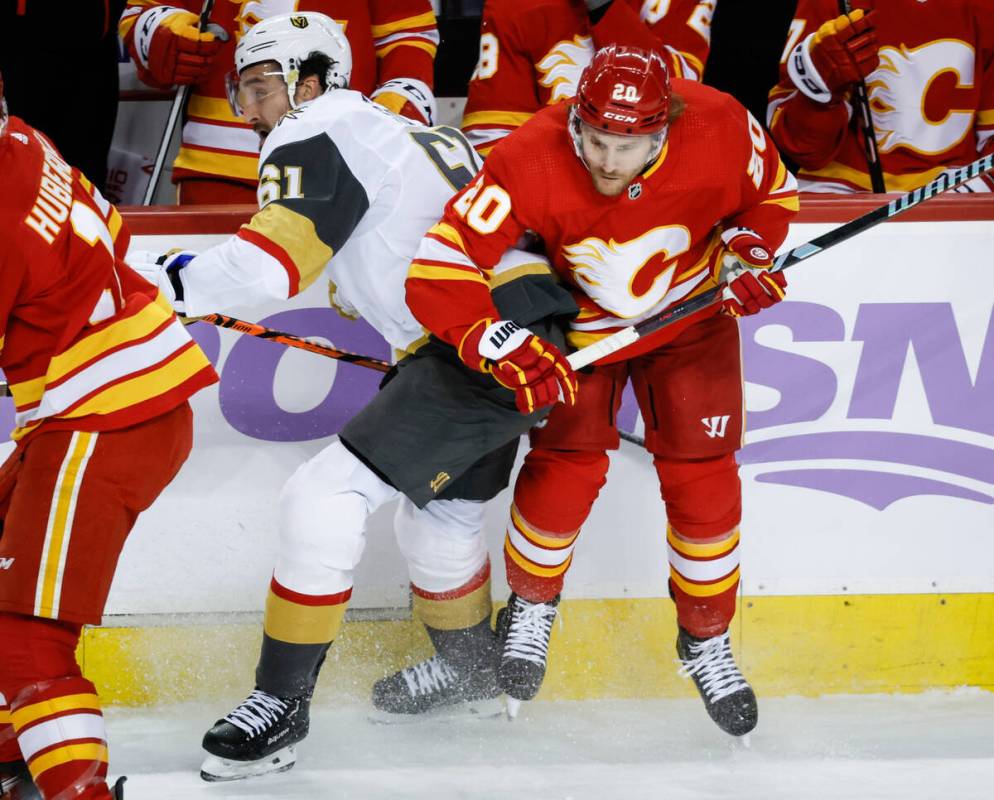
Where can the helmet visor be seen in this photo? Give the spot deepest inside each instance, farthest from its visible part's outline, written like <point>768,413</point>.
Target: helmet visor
<point>244,93</point>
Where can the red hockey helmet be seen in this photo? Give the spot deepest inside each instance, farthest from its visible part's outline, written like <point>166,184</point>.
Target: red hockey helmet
<point>624,90</point>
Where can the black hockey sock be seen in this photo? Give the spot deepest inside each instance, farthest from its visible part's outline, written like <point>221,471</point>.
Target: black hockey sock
<point>467,648</point>
<point>289,670</point>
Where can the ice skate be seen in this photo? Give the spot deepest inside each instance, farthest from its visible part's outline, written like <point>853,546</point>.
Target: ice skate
<point>728,697</point>
<point>16,782</point>
<point>460,680</point>
<point>436,688</point>
<point>524,628</point>
<point>257,738</point>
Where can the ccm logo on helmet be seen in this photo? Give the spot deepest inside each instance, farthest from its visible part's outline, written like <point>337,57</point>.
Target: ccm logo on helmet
<point>620,117</point>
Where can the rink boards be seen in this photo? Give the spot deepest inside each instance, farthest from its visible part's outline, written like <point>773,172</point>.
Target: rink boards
<point>868,480</point>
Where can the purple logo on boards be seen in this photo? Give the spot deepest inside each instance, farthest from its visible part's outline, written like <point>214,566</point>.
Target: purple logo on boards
<point>858,450</point>
<point>954,455</point>
<point>878,464</point>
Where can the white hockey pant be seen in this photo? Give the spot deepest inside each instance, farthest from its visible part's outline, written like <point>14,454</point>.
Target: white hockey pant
<point>442,542</point>
<point>323,512</point>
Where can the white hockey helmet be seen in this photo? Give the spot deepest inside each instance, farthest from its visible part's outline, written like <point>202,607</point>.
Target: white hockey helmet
<point>289,40</point>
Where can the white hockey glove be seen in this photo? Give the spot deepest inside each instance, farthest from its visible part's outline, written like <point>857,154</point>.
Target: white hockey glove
<point>163,270</point>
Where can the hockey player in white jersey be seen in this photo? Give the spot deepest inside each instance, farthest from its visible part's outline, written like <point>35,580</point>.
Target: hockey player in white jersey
<point>348,189</point>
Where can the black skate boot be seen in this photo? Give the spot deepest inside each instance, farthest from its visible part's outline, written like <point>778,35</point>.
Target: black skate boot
<point>728,697</point>
<point>16,782</point>
<point>463,672</point>
<point>524,629</point>
<point>257,738</point>
<point>118,791</point>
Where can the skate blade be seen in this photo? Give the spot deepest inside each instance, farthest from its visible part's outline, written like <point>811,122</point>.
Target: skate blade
<point>24,789</point>
<point>216,769</point>
<point>745,741</point>
<point>513,706</point>
<point>470,709</point>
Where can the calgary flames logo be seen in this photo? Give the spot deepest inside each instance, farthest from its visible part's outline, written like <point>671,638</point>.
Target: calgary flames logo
<point>255,11</point>
<point>562,65</point>
<point>629,278</point>
<point>907,111</point>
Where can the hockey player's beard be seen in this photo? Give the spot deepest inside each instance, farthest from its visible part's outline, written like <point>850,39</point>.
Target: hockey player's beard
<point>609,184</point>
<point>262,131</point>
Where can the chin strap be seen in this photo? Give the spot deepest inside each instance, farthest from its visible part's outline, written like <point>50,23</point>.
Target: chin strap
<point>291,77</point>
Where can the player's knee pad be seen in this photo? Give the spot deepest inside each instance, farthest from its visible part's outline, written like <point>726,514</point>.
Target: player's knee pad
<point>442,542</point>
<point>703,498</point>
<point>556,489</point>
<point>323,511</point>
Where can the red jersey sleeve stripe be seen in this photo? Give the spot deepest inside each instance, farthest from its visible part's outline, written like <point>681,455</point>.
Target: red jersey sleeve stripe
<point>271,248</point>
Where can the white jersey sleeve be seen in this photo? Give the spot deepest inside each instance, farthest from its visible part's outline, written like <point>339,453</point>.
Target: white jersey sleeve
<point>345,187</point>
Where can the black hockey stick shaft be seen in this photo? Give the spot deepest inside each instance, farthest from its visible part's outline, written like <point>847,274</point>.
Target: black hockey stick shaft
<point>866,124</point>
<point>626,336</point>
<point>175,111</point>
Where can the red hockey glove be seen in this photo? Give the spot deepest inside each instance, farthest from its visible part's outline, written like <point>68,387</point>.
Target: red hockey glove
<point>829,61</point>
<point>170,46</point>
<point>751,286</point>
<point>532,368</point>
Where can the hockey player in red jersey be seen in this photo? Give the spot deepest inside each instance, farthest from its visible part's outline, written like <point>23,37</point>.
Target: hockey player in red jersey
<point>100,370</point>
<point>533,51</point>
<point>929,75</point>
<point>393,49</point>
<point>641,190</point>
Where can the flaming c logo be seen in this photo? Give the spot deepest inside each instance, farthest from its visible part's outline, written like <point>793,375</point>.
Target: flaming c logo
<point>562,65</point>
<point>900,90</point>
<point>629,278</point>
<point>253,11</point>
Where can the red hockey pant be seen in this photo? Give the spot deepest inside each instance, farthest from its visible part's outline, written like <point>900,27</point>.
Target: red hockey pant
<point>68,500</point>
<point>690,395</point>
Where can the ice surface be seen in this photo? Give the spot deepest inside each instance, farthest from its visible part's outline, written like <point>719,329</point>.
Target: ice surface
<point>935,746</point>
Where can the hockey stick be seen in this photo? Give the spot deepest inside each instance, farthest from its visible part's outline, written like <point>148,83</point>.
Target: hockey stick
<point>866,123</point>
<point>627,336</point>
<point>634,438</point>
<point>288,339</point>
<point>179,103</point>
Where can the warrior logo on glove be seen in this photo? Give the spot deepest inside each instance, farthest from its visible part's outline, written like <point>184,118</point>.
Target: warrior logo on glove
<point>502,333</point>
<point>535,370</point>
